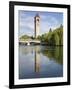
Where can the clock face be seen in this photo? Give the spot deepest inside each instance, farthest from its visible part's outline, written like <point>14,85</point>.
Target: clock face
<point>37,20</point>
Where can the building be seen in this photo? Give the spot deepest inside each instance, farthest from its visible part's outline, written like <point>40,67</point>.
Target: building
<point>37,25</point>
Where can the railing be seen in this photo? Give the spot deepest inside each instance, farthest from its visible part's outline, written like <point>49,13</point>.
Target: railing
<point>28,42</point>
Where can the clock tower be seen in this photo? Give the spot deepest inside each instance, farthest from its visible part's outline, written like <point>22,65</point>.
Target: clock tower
<point>37,25</point>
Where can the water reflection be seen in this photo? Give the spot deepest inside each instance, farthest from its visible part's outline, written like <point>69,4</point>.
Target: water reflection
<point>40,61</point>
<point>53,53</point>
<point>37,59</point>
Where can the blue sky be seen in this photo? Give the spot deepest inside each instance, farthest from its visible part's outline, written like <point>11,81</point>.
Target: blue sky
<point>47,20</point>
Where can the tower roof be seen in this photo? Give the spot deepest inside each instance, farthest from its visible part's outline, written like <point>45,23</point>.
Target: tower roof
<point>37,15</point>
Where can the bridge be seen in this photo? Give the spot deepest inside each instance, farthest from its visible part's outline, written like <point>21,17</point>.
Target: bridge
<point>29,42</point>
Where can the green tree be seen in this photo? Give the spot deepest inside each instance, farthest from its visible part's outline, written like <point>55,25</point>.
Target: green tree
<point>54,37</point>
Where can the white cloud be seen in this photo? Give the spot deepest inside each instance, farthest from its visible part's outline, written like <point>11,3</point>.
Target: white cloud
<point>26,24</point>
<point>48,22</point>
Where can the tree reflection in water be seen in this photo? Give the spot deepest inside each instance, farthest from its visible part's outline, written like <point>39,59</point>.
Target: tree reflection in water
<point>53,52</point>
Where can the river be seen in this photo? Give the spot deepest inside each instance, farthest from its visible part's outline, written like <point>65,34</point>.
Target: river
<point>40,61</point>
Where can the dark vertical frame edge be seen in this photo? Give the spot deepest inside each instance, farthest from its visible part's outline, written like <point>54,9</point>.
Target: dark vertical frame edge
<point>68,44</point>
<point>11,45</point>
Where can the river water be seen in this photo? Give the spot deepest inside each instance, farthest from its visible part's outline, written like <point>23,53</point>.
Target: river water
<point>40,61</point>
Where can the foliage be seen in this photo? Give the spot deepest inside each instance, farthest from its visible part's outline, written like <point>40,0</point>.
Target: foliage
<point>54,37</point>
<point>24,37</point>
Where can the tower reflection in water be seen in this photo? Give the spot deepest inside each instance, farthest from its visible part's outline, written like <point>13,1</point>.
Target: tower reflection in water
<point>35,51</point>
<point>37,59</point>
